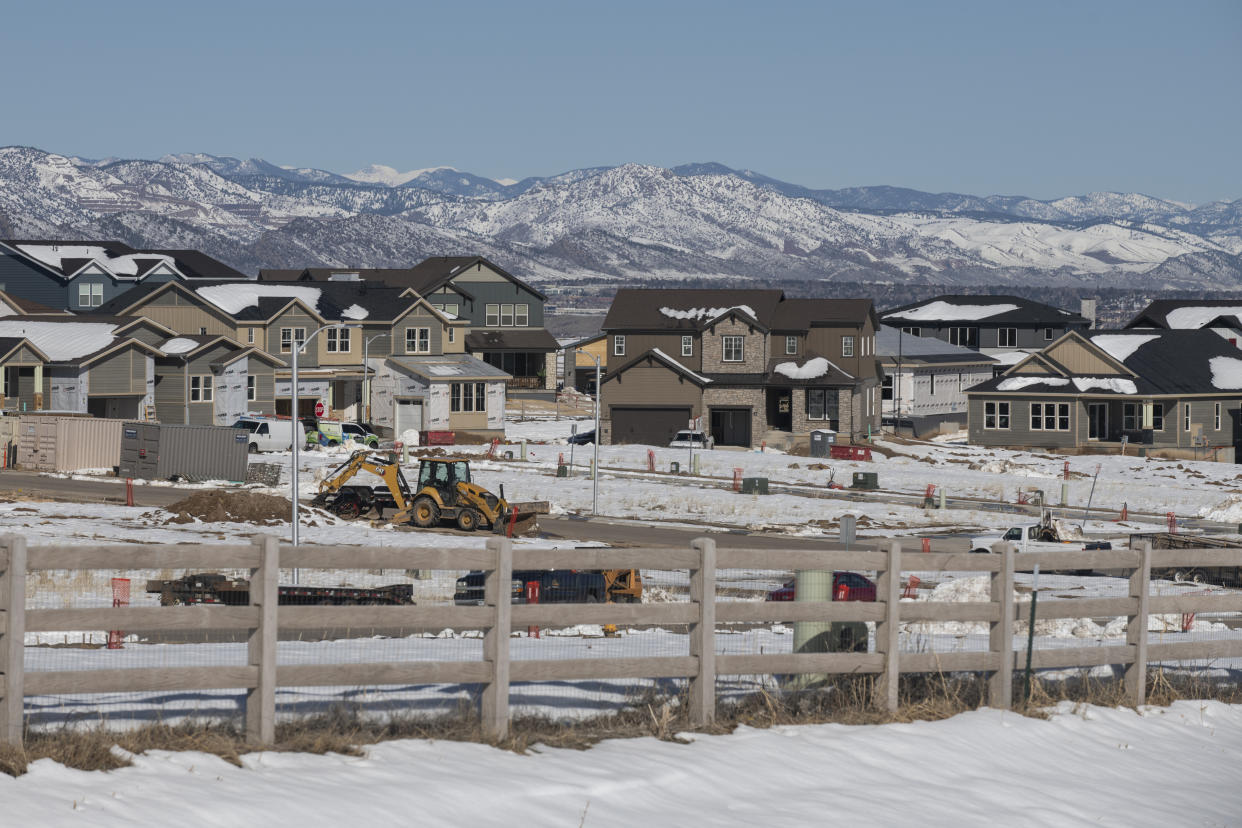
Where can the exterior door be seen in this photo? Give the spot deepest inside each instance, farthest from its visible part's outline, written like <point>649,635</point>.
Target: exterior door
<point>731,426</point>
<point>1097,421</point>
<point>408,415</point>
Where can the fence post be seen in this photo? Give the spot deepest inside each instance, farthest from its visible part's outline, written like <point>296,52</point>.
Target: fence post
<point>264,594</point>
<point>1136,625</point>
<point>497,589</point>
<point>13,639</point>
<point>703,634</point>
<point>1000,637</point>
<point>887,640</point>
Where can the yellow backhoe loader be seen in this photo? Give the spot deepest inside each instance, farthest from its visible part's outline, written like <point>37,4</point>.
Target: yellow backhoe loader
<point>445,492</point>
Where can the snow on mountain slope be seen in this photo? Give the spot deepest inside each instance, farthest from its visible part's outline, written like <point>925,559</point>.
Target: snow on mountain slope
<point>389,176</point>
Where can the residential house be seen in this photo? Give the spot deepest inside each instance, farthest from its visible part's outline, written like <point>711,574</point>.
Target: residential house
<point>213,380</point>
<point>443,392</point>
<point>1222,316</point>
<point>755,366</point>
<point>1006,328</point>
<point>580,362</point>
<point>97,366</point>
<point>923,391</point>
<point>81,276</point>
<point>1178,392</point>
<point>504,315</point>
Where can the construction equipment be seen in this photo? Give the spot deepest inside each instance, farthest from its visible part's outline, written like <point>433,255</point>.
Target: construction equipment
<point>214,588</point>
<point>445,492</point>
<point>556,586</point>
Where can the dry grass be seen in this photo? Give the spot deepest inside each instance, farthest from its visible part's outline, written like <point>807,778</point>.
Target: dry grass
<point>841,699</point>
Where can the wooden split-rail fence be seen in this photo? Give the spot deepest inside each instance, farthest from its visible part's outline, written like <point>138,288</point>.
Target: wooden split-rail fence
<point>498,617</point>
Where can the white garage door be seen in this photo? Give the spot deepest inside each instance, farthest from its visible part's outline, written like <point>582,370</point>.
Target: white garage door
<point>408,415</point>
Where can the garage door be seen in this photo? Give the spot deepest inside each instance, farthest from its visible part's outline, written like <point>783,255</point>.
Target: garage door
<point>731,426</point>
<point>408,415</point>
<point>650,426</point>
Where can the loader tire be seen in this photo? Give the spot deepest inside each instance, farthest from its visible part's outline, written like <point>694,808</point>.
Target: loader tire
<point>468,520</point>
<point>425,513</point>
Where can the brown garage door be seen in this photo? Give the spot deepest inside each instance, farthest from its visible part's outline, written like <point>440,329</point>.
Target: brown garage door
<point>650,426</point>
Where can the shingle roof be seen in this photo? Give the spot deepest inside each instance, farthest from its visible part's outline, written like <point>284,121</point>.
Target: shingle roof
<point>928,313</point>
<point>532,339</point>
<point>448,367</point>
<point>891,343</point>
<point>685,309</point>
<point>193,264</point>
<point>424,277</point>
<point>1187,314</point>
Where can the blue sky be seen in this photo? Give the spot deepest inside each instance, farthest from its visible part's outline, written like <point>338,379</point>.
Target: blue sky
<point>1041,99</point>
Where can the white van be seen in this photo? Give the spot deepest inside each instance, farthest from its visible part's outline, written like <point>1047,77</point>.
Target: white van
<point>269,434</point>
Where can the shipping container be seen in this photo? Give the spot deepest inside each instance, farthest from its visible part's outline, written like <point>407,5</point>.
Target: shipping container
<point>10,427</point>
<point>67,444</point>
<point>187,452</point>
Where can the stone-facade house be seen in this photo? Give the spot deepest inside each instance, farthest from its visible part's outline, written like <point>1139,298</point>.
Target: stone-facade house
<point>757,367</point>
<point>1174,392</point>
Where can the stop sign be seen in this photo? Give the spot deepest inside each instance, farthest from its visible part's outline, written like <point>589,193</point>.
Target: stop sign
<point>319,409</point>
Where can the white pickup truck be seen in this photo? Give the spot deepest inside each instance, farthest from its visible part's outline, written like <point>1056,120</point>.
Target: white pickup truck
<point>1049,535</point>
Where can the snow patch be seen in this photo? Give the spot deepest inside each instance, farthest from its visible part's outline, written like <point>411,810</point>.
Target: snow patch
<point>234,298</point>
<point>1193,318</point>
<point>1226,372</point>
<point>947,311</point>
<point>1121,346</point>
<point>1117,385</point>
<point>124,265</point>
<point>678,366</point>
<point>355,312</point>
<point>813,368</point>
<point>61,341</point>
<point>180,345</point>
<point>1018,383</point>
<point>699,314</point>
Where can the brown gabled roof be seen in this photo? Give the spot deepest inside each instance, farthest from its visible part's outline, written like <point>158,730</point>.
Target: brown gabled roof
<point>424,277</point>
<point>804,314</point>
<point>655,309</point>
<point>529,339</point>
<point>29,307</point>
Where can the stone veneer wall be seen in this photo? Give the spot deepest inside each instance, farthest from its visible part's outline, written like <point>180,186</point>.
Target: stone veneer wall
<point>738,398</point>
<point>754,350</point>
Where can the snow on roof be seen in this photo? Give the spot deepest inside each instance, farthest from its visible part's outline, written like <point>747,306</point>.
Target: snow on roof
<point>1008,357</point>
<point>124,265</point>
<point>444,370</point>
<point>813,368</point>
<point>179,345</point>
<point>234,298</point>
<point>1193,317</point>
<point>678,366</point>
<point>1115,384</point>
<point>706,313</point>
<point>947,311</point>
<point>355,312</point>
<point>1226,372</point>
<point>61,341</point>
<point>1018,383</point>
<point>1121,346</point>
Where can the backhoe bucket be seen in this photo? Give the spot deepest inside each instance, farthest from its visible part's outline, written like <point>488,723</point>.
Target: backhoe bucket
<point>523,517</point>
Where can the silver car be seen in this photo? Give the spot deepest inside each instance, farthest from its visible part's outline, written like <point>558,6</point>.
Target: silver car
<point>693,439</point>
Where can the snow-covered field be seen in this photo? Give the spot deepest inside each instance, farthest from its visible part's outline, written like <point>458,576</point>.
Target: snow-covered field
<point>1082,766</point>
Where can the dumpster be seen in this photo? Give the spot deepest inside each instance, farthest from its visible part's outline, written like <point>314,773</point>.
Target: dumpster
<point>185,452</point>
<point>821,440</point>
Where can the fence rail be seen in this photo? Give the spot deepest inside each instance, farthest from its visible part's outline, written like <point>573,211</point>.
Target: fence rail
<point>498,617</point>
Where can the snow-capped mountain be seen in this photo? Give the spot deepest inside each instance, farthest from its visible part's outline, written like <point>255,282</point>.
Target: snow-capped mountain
<point>625,222</point>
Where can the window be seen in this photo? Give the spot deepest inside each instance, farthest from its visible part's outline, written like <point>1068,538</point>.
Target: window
<point>200,388</point>
<point>202,331</point>
<point>996,415</point>
<point>1186,416</point>
<point>965,337</point>
<point>733,348</point>
<point>931,379</point>
<point>290,335</point>
<point>821,404</point>
<point>847,346</point>
<point>492,316</point>
<point>1218,416</point>
<point>468,396</point>
<point>1133,417</point>
<point>418,340</point>
<point>791,345</point>
<point>521,315</point>
<point>249,336</point>
<point>618,345</point>
<point>448,309</point>
<point>506,316</point>
<point>961,381</point>
<point>1050,417</point>
<point>1129,417</point>
<point>886,387</point>
<point>452,334</point>
<point>687,346</point>
<point>338,340</point>
<point>912,331</point>
<point>1006,337</point>
<point>90,295</point>
<point>1157,417</point>
<point>252,388</point>
<point>1047,334</point>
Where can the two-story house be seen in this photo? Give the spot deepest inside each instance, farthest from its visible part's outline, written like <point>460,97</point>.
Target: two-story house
<point>1006,328</point>
<point>504,315</point>
<point>754,365</point>
<point>81,276</point>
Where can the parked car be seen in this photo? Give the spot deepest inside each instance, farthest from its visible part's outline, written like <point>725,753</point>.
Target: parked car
<point>583,438</point>
<point>693,439</point>
<point>846,586</point>
<point>360,434</point>
<point>267,434</point>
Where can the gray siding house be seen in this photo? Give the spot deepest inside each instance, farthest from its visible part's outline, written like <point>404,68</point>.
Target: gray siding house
<point>1173,392</point>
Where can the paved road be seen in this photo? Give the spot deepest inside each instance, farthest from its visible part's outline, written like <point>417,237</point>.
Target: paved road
<point>104,490</point>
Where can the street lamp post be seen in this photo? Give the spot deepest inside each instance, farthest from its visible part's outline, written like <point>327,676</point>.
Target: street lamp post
<point>595,462</point>
<point>298,347</point>
<point>366,379</point>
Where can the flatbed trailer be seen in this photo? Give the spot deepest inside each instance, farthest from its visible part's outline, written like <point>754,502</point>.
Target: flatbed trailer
<point>214,588</point>
<point>1226,576</point>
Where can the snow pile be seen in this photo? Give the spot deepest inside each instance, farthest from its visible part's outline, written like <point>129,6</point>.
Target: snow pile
<point>355,312</point>
<point>1006,466</point>
<point>179,345</point>
<point>61,341</point>
<point>1228,510</point>
<point>1195,317</point>
<point>1117,385</point>
<point>699,314</point>
<point>234,298</point>
<point>947,311</point>
<point>409,437</point>
<point>1121,346</point>
<point>1018,383</point>
<point>813,368</point>
<point>1226,372</point>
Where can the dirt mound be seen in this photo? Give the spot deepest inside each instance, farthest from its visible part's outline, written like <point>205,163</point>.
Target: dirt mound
<point>232,507</point>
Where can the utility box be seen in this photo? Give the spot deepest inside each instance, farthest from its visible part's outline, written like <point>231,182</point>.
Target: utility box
<point>821,441</point>
<point>865,480</point>
<point>755,485</point>
<point>186,452</point>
